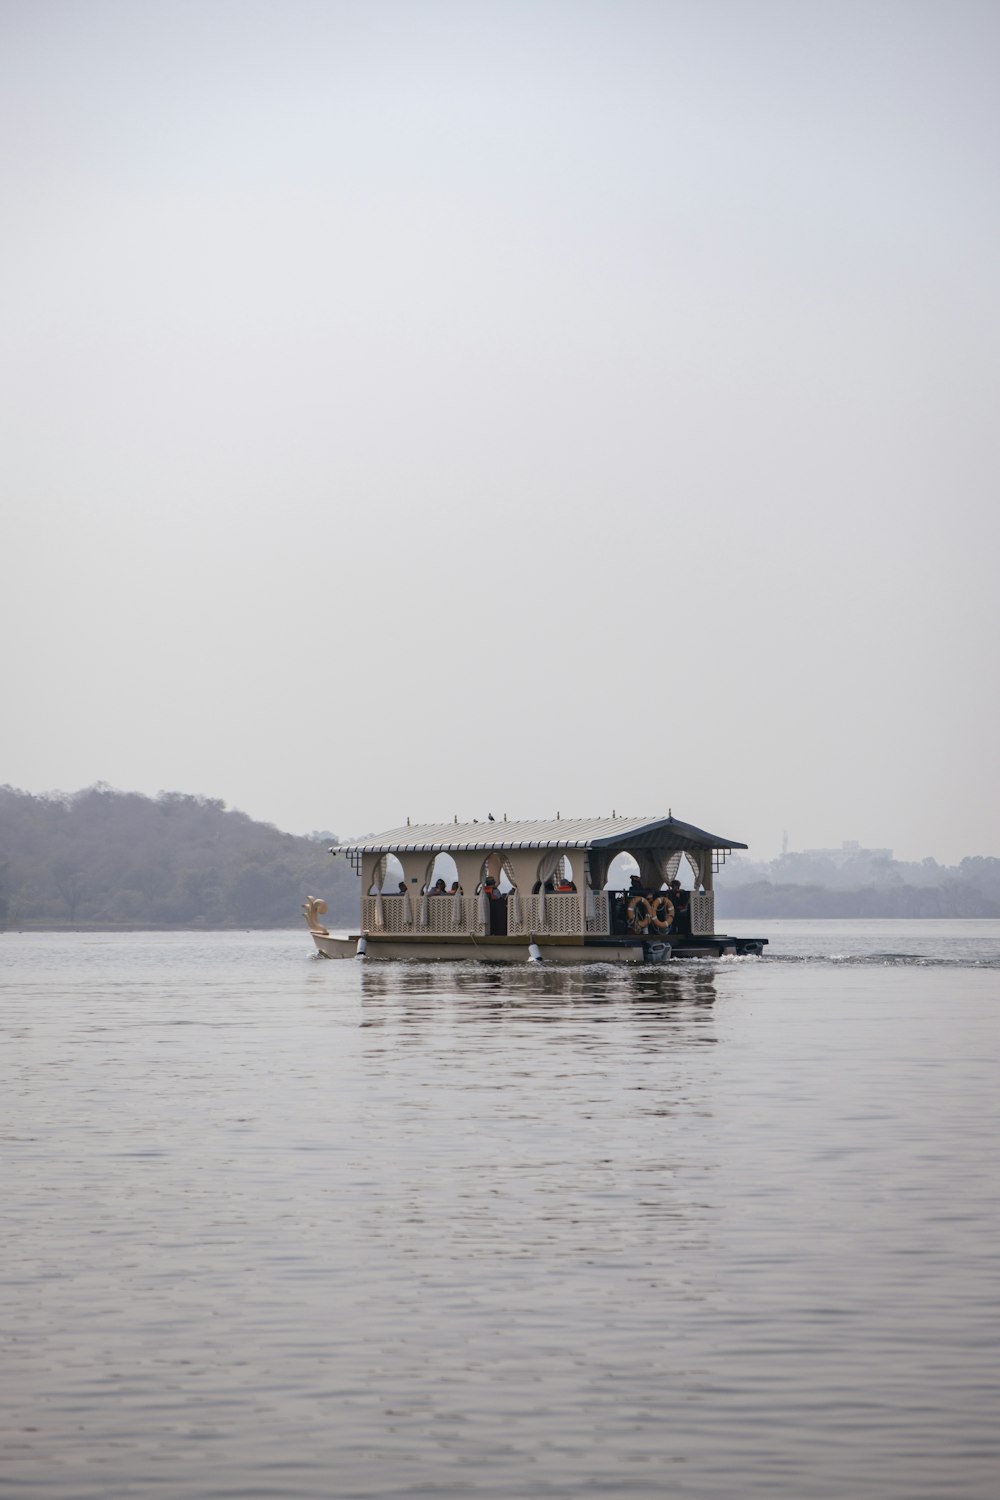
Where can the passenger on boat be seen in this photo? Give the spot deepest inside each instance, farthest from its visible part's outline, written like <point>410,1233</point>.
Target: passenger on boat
<point>682,906</point>
<point>439,888</point>
<point>456,889</point>
<point>566,885</point>
<point>402,887</point>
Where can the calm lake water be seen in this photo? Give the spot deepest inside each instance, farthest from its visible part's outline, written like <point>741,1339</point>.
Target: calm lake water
<point>276,1226</point>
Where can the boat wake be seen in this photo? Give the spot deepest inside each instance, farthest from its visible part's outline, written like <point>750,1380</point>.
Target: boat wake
<point>889,960</point>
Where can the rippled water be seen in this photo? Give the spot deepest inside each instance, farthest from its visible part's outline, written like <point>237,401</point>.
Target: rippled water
<point>274,1226</point>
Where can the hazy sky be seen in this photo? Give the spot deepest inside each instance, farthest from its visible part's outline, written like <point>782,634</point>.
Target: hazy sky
<point>413,407</point>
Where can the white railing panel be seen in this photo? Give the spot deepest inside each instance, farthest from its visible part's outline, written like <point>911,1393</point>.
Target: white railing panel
<point>563,915</point>
<point>600,921</point>
<point>703,912</point>
<point>393,915</point>
<point>442,916</point>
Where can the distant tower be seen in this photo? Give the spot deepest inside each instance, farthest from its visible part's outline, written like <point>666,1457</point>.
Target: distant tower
<point>784,843</point>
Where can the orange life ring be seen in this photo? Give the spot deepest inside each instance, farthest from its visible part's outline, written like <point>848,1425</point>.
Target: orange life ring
<point>662,912</point>
<point>637,922</point>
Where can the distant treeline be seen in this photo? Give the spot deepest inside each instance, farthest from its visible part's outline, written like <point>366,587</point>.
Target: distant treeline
<point>803,885</point>
<point>117,859</point>
<point>107,858</point>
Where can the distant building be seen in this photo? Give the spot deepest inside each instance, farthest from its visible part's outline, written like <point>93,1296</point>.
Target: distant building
<point>849,849</point>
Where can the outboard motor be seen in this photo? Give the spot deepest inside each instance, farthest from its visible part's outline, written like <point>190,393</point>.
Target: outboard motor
<point>656,953</point>
<point>534,954</point>
<point>362,947</point>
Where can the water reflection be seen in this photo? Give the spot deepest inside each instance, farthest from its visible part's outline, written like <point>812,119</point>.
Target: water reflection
<point>669,1003</point>
<point>544,1115</point>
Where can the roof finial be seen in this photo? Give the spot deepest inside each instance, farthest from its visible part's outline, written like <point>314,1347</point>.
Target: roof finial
<point>407,820</point>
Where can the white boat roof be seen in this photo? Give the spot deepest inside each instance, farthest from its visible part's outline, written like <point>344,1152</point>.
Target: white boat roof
<point>547,833</point>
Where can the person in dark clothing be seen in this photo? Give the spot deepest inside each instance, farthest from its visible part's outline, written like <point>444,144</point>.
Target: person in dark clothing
<point>682,907</point>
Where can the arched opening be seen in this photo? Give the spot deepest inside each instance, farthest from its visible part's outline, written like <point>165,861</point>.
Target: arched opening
<point>387,877</point>
<point>440,906</point>
<point>496,869</point>
<point>496,894</point>
<point>649,878</point>
<point>390,908</point>
<point>442,875</point>
<point>620,871</point>
<point>556,875</point>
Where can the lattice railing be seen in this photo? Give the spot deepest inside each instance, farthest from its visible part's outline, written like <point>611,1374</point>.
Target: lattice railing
<point>445,915</point>
<point>600,921</point>
<point>563,914</point>
<point>703,912</point>
<point>392,917</point>
<point>441,917</point>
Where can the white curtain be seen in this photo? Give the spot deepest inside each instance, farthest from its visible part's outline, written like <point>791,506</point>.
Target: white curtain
<point>407,910</point>
<point>549,864</point>
<point>379,909</point>
<point>424,909</point>
<point>457,911</point>
<point>483,909</point>
<point>547,867</point>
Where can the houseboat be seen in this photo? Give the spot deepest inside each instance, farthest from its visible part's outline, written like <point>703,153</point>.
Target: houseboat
<point>568,890</point>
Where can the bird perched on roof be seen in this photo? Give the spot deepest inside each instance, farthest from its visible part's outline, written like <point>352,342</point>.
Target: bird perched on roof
<point>492,819</point>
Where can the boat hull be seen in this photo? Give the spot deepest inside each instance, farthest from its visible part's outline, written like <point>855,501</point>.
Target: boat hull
<point>335,947</point>
<point>507,950</point>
